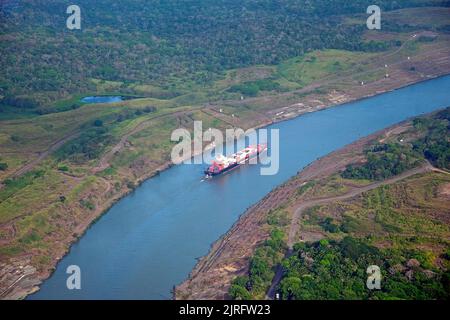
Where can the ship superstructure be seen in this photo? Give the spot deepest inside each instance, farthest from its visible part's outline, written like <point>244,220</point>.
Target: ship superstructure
<point>223,163</point>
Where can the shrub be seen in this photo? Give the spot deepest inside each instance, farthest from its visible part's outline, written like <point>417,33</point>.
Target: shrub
<point>98,123</point>
<point>63,168</point>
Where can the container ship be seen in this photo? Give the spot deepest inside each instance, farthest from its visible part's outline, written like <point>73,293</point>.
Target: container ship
<point>222,164</point>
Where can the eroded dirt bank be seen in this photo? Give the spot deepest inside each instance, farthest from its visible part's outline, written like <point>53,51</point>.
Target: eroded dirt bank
<point>229,256</point>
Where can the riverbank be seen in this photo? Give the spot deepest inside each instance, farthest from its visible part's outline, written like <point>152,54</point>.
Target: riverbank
<point>22,287</point>
<point>229,257</point>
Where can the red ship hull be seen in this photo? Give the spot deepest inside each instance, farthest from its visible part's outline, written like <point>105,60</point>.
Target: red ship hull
<point>224,164</point>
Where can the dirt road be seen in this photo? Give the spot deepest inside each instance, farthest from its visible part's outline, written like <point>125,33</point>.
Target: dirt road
<point>378,64</point>
<point>106,158</point>
<point>426,167</point>
<point>56,145</point>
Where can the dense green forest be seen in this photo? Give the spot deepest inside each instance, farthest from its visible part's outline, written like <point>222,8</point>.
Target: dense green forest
<point>387,160</point>
<point>384,161</point>
<point>171,44</point>
<point>435,144</point>
<point>337,270</point>
<point>261,272</point>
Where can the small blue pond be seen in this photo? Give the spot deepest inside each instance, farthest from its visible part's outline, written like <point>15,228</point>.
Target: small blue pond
<point>102,99</point>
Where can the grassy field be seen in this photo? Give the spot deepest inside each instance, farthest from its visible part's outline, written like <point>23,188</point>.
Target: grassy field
<point>391,215</point>
<point>319,65</point>
<point>406,223</point>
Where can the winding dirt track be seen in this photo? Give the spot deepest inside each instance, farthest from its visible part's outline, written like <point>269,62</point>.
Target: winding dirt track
<point>104,161</point>
<point>331,79</point>
<point>56,145</point>
<point>426,167</point>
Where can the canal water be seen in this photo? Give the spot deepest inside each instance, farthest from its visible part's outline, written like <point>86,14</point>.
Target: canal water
<point>150,240</point>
